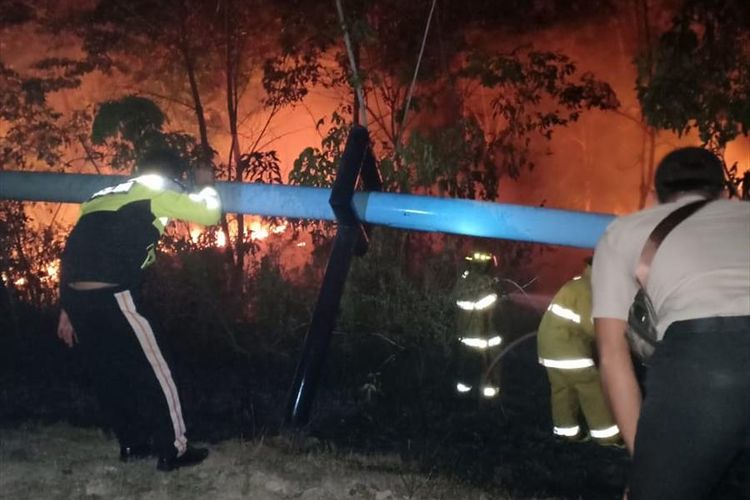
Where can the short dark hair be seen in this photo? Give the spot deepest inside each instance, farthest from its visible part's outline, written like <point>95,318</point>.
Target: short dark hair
<point>689,169</point>
<point>164,161</point>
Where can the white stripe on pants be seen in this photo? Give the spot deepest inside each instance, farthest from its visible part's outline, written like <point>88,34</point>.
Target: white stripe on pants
<point>147,340</point>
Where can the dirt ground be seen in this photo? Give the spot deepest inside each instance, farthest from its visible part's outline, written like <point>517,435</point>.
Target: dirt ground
<point>63,462</point>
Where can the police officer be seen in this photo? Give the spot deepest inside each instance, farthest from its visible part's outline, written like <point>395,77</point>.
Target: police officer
<point>565,344</point>
<point>105,314</point>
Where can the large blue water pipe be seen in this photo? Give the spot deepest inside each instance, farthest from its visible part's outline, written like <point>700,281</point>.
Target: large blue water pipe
<point>403,211</point>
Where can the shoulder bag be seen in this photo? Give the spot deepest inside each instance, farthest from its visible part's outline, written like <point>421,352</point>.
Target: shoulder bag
<point>641,331</point>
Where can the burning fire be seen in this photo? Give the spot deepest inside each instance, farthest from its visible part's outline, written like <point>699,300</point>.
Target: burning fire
<point>53,270</point>
<point>256,231</point>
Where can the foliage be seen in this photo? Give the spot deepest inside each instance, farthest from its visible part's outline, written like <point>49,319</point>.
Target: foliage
<point>132,117</point>
<point>394,327</point>
<point>446,159</point>
<point>701,73</point>
<point>29,257</point>
<point>190,289</point>
<point>317,166</point>
<point>466,154</point>
<point>34,133</point>
<point>132,126</point>
<point>281,308</point>
<point>287,79</point>
<point>533,93</point>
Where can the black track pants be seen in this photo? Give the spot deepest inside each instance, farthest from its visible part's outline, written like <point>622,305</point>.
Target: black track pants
<point>695,419</point>
<point>132,379</point>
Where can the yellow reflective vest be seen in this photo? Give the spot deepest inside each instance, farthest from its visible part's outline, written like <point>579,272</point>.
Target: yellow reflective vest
<point>119,227</point>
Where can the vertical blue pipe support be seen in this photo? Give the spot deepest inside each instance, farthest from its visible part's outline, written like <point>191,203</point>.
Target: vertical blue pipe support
<point>351,238</point>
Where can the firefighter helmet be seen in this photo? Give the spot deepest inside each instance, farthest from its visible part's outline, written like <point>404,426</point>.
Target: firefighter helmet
<point>480,259</point>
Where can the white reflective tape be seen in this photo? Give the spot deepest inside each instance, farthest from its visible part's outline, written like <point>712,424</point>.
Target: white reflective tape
<point>207,195</point>
<point>120,188</point>
<point>462,387</point>
<point>152,181</point>
<point>466,305</point>
<point>567,431</point>
<point>480,304</point>
<point>485,302</point>
<point>474,342</point>
<point>496,340</point>
<point>564,312</point>
<point>480,343</point>
<point>490,391</point>
<point>605,433</point>
<point>567,364</point>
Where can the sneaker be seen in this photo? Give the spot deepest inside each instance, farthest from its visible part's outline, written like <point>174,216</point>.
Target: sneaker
<point>135,452</point>
<point>192,456</point>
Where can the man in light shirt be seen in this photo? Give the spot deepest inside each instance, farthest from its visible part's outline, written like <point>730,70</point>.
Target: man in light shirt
<point>695,418</point>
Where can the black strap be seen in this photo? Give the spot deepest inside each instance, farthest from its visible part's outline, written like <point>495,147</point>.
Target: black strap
<point>659,233</point>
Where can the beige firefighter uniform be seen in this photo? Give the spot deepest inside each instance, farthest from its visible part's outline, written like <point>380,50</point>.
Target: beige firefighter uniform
<point>566,347</point>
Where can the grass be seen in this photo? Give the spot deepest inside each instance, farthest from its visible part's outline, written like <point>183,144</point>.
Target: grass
<point>64,462</point>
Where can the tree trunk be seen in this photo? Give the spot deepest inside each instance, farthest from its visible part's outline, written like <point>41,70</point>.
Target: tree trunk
<point>205,153</point>
<point>232,62</point>
<point>648,143</point>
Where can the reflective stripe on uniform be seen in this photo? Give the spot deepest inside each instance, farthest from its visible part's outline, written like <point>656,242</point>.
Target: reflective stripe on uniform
<point>567,364</point>
<point>605,433</point>
<point>489,391</point>
<point>146,339</point>
<point>208,196</point>
<point>564,313</point>
<point>480,343</point>
<point>567,431</point>
<point>480,304</point>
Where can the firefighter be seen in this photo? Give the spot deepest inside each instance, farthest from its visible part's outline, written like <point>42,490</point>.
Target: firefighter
<point>566,348</point>
<point>476,297</point>
<point>106,317</point>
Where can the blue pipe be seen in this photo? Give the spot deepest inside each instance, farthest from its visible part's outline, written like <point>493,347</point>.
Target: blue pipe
<point>402,211</point>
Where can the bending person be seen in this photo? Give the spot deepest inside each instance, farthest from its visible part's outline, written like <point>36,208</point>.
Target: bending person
<point>696,414</point>
<point>103,311</point>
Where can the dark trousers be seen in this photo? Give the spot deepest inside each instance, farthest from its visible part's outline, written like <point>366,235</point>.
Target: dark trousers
<point>695,419</point>
<point>126,363</point>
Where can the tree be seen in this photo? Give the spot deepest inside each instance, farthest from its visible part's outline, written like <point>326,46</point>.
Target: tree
<point>437,139</point>
<point>207,58</point>
<point>700,78</point>
<point>131,127</point>
<point>532,93</point>
<point>33,135</point>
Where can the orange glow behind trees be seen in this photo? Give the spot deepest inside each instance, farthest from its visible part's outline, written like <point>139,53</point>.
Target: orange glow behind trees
<point>260,99</point>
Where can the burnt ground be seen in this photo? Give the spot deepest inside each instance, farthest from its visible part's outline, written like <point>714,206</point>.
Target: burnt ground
<point>505,448</point>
